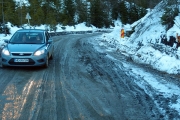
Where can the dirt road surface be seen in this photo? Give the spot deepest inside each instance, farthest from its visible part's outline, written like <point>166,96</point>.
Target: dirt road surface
<point>79,84</point>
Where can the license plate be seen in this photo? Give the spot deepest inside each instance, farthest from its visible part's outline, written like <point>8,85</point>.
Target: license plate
<point>21,60</point>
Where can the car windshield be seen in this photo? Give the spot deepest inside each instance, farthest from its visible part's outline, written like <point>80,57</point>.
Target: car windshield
<point>27,38</point>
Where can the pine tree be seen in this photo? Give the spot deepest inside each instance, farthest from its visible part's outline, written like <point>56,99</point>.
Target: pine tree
<point>20,13</point>
<point>107,13</point>
<point>58,10</point>
<point>96,13</point>
<point>36,13</point>
<point>9,10</point>
<point>123,11</point>
<point>81,11</point>
<point>168,17</point>
<point>68,13</point>
<point>133,13</point>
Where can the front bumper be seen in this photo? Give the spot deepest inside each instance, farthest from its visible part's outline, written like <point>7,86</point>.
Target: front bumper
<point>30,60</point>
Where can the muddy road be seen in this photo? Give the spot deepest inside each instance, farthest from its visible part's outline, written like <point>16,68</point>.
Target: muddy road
<point>79,84</point>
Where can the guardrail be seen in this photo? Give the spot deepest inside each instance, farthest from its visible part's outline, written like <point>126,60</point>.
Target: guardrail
<point>78,32</point>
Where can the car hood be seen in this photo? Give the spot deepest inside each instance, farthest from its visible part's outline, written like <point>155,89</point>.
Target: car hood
<point>24,47</point>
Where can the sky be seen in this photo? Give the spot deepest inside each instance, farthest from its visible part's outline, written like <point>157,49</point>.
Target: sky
<point>143,46</point>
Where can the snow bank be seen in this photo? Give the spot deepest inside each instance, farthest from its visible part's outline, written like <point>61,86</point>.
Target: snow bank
<point>141,45</point>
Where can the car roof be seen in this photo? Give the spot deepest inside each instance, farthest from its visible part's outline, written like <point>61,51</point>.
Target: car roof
<point>31,30</point>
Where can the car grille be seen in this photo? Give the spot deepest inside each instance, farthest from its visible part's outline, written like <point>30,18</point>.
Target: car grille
<point>21,54</point>
<point>31,62</point>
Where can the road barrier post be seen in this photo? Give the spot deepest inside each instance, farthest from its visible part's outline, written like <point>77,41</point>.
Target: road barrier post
<point>122,33</point>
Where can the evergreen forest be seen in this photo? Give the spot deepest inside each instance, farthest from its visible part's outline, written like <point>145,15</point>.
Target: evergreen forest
<point>99,13</point>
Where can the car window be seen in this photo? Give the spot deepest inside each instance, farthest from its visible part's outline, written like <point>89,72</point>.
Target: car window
<point>27,38</point>
<point>36,37</point>
<point>15,38</point>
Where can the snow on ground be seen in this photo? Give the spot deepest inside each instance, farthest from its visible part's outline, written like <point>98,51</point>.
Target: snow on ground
<point>140,46</point>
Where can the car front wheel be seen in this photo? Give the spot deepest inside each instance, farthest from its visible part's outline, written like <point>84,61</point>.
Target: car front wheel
<point>3,66</point>
<point>47,62</point>
<point>51,57</point>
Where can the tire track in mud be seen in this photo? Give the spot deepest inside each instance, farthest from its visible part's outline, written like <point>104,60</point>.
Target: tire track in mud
<point>31,94</point>
<point>5,80</point>
<point>78,104</point>
<point>27,93</point>
<point>160,103</point>
<point>47,96</point>
<point>39,97</point>
<point>16,93</point>
<point>92,88</point>
<point>138,102</point>
<point>60,97</point>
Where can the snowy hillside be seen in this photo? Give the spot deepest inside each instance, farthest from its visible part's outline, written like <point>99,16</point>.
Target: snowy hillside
<point>144,45</point>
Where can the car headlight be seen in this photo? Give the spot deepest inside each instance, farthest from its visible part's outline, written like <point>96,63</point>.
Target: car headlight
<point>6,52</point>
<point>39,52</point>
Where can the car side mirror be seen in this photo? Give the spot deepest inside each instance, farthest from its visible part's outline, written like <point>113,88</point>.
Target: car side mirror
<point>50,41</point>
<point>6,41</point>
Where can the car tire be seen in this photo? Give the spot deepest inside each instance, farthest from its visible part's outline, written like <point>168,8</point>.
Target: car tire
<point>47,62</point>
<point>3,66</point>
<point>51,57</point>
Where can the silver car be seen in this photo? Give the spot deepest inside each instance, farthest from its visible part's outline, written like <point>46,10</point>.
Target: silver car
<point>28,47</point>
